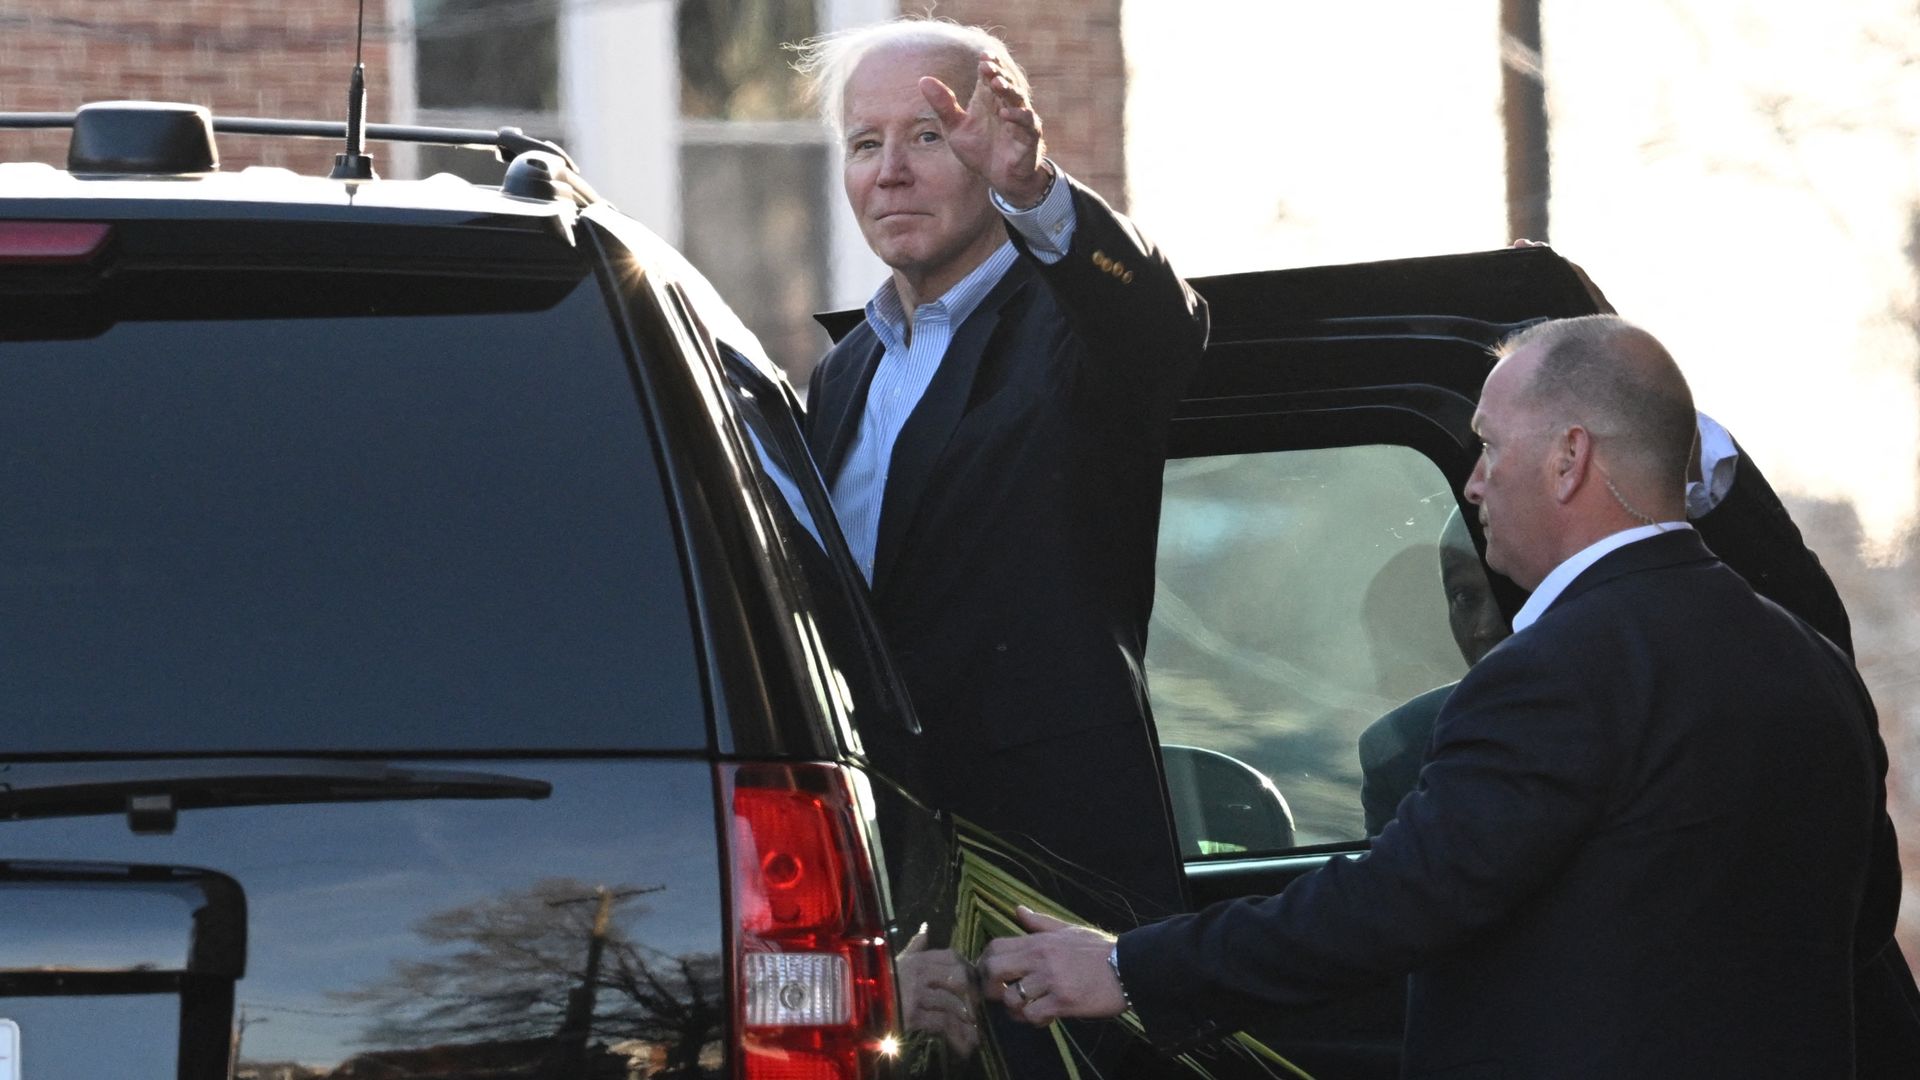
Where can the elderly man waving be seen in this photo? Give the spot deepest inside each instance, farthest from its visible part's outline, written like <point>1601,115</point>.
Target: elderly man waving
<point>993,435</point>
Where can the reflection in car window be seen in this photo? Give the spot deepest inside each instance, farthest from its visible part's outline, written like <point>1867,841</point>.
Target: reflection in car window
<point>1299,599</point>
<point>784,486</point>
<point>333,531</point>
<point>778,445</point>
<point>829,585</point>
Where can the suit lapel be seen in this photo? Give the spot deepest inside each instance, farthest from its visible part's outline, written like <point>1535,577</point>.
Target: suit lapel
<point>844,396</point>
<point>928,430</point>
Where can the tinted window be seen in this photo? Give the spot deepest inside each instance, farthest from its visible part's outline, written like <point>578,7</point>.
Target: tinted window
<point>1300,599</point>
<point>322,530</point>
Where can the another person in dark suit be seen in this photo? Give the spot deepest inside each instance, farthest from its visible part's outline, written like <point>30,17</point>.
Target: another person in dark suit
<point>1652,840</point>
<point>993,435</point>
<point>1393,748</point>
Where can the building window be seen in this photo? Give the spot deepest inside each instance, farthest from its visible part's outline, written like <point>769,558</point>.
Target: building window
<point>732,66</point>
<point>486,64</point>
<point>754,170</point>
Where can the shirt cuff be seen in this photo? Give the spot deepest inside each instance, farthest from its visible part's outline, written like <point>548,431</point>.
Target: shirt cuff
<point>1719,460</point>
<point>1047,228</point>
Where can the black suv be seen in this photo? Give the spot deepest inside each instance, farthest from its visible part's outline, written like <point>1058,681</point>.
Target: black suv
<point>426,649</point>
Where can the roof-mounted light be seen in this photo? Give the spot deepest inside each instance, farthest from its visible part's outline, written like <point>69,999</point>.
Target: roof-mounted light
<point>148,138</point>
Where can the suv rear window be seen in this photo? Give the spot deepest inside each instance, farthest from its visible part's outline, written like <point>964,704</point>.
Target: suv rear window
<point>333,510</point>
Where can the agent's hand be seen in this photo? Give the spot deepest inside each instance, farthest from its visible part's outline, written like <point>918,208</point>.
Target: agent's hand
<point>997,135</point>
<point>938,994</point>
<point>1057,970</point>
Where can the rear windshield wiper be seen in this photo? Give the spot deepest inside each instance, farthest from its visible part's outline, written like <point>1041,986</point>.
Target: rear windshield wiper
<point>152,793</point>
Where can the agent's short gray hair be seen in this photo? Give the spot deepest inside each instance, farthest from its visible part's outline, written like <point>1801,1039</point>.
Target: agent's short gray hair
<point>1616,379</point>
<point>829,61</point>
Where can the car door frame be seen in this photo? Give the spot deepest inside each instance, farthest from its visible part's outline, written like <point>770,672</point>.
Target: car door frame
<point>1389,352</point>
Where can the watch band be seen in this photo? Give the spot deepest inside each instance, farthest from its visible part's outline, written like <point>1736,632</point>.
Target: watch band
<point>1113,962</point>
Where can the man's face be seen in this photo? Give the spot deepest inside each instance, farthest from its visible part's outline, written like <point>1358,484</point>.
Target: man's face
<point>924,213</point>
<point>1511,483</point>
<point>1471,611</point>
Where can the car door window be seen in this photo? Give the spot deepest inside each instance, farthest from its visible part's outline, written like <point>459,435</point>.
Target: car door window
<point>1298,600</point>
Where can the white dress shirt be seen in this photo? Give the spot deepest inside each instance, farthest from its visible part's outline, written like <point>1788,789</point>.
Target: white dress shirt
<point>1562,576</point>
<point>1718,462</point>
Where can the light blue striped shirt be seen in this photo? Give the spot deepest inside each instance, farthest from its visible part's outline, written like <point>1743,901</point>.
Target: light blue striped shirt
<point>908,364</point>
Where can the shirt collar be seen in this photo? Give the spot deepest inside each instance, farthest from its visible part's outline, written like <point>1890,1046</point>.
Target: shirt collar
<point>1562,576</point>
<point>888,315</point>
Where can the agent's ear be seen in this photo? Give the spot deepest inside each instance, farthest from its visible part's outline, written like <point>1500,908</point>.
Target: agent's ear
<point>1572,461</point>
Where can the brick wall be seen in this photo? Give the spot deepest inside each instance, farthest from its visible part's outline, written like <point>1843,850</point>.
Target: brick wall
<point>1072,52</point>
<point>278,58</point>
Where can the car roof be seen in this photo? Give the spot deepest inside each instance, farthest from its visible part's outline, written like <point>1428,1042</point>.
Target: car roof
<point>150,158</point>
<point>267,191</point>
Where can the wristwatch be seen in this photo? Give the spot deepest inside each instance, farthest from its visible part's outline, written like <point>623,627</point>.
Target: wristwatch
<point>1113,962</point>
<point>1005,207</point>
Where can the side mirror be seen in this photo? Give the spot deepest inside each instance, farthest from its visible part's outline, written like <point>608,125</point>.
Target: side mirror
<point>1223,805</point>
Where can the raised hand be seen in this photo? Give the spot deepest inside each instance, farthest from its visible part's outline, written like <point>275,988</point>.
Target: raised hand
<point>997,134</point>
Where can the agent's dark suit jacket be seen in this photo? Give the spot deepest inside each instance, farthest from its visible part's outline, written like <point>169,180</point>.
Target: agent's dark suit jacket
<point>1752,533</point>
<point>1652,842</point>
<point>1014,568</point>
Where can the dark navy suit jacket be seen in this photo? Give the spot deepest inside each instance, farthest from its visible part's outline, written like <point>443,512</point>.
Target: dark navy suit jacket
<point>1013,572</point>
<point>1652,842</point>
<point>1751,532</point>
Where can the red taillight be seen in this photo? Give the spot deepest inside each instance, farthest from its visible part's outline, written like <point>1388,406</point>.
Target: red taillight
<point>815,984</point>
<point>51,242</point>
<point>791,865</point>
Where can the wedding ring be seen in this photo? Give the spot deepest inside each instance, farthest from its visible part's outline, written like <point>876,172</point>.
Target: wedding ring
<point>1022,991</point>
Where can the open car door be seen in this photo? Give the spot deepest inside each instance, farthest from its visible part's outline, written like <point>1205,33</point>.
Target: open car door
<point>1313,464</point>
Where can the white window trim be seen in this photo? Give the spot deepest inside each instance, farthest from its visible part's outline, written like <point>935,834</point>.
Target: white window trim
<point>697,132</point>
<point>538,123</point>
<point>620,105</point>
<point>403,91</point>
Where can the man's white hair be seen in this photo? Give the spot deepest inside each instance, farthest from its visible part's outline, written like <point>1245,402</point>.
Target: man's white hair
<point>829,61</point>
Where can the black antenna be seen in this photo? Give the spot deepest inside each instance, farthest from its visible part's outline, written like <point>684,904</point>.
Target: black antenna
<point>355,164</point>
